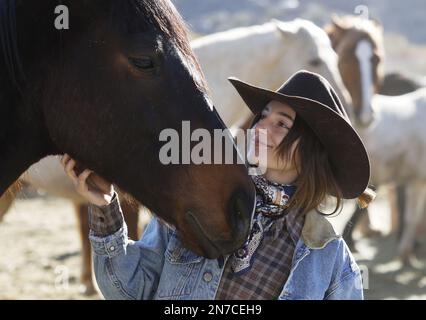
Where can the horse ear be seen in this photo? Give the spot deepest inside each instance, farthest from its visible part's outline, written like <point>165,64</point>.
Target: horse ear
<point>335,30</point>
<point>377,23</point>
<point>285,29</point>
<point>338,23</point>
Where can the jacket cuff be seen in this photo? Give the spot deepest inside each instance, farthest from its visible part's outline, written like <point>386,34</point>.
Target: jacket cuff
<point>111,245</point>
<point>106,220</point>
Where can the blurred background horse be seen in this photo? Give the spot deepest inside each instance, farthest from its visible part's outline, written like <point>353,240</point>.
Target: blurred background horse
<point>265,55</point>
<point>391,127</point>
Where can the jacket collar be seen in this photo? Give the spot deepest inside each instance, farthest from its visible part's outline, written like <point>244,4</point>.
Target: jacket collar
<point>317,231</point>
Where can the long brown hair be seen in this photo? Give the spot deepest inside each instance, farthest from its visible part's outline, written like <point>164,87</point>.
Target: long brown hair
<point>316,183</point>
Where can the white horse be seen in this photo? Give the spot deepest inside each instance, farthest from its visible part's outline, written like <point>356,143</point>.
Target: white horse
<point>395,135</point>
<point>265,55</point>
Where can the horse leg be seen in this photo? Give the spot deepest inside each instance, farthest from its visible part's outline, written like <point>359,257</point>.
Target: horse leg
<point>402,202</point>
<point>5,202</point>
<point>350,226</point>
<point>86,253</point>
<point>364,226</point>
<point>398,218</point>
<point>395,208</point>
<point>397,203</point>
<point>415,201</point>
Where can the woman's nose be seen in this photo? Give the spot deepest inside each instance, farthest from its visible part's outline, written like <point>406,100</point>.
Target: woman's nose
<point>262,124</point>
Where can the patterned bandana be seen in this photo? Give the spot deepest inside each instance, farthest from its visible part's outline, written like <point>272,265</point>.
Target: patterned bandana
<point>271,201</point>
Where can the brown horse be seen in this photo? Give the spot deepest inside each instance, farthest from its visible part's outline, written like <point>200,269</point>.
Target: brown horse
<point>359,45</point>
<point>349,35</point>
<point>103,91</point>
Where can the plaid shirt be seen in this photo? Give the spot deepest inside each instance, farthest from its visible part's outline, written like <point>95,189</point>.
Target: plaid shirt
<point>270,265</point>
<point>106,220</point>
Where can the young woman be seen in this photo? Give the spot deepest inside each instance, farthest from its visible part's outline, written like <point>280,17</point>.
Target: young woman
<point>292,251</point>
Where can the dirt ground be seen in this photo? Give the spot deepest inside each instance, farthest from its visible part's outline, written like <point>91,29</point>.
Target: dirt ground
<point>40,254</point>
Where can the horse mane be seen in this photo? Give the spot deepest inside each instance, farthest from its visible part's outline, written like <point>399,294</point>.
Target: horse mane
<point>9,42</point>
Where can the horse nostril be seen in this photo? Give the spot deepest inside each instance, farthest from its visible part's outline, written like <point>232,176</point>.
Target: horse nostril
<point>240,217</point>
<point>238,207</point>
<point>238,212</point>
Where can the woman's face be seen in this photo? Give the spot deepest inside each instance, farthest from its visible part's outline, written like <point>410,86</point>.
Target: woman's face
<point>277,118</point>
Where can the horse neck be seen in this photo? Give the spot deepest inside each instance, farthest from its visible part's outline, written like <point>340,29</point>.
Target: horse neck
<point>397,136</point>
<point>23,137</point>
<point>23,143</point>
<point>256,50</point>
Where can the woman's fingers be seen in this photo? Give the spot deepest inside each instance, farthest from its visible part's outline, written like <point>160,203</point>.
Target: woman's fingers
<point>96,190</point>
<point>69,169</point>
<point>82,178</point>
<point>82,185</point>
<point>64,160</point>
<point>92,192</point>
<point>84,175</point>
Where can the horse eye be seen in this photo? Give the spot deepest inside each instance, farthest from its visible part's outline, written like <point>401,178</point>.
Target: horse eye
<point>142,63</point>
<point>315,62</point>
<point>375,59</point>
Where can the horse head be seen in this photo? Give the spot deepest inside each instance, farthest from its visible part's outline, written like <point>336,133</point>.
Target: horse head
<point>103,91</point>
<point>306,46</point>
<point>359,45</point>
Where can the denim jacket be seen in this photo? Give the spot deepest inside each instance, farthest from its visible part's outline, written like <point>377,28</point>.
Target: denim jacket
<point>159,267</point>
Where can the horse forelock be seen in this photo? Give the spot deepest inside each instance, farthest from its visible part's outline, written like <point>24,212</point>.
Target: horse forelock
<point>363,27</point>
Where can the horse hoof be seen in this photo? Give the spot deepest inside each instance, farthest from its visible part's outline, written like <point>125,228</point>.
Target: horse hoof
<point>88,289</point>
<point>409,260</point>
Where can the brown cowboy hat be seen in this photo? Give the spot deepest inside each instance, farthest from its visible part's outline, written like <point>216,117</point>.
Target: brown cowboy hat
<point>315,101</point>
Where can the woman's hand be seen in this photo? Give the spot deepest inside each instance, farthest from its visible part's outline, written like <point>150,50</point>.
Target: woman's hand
<point>88,184</point>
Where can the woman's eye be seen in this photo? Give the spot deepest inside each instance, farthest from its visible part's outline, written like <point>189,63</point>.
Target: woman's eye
<point>144,63</point>
<point>283,125</point>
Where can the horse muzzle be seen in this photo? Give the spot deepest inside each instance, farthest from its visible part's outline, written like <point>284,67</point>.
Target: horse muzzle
<point>239,219</point>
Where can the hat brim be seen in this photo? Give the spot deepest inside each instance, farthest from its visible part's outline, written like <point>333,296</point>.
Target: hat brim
<point>345,148</point>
